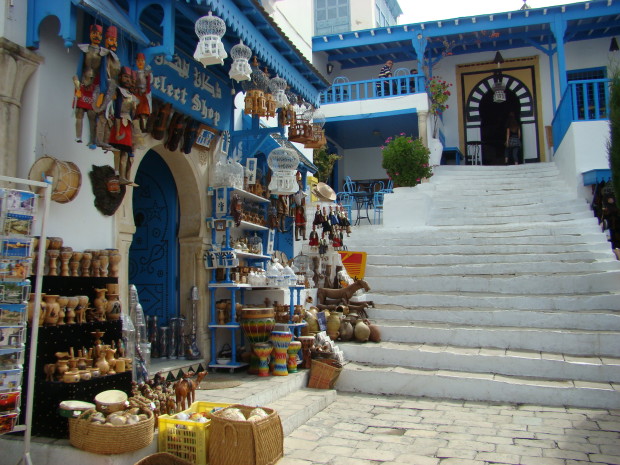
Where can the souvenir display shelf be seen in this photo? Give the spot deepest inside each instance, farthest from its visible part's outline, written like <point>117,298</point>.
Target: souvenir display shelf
<point>17,228</point>
<point>17,216</point>
<point>222,223</point>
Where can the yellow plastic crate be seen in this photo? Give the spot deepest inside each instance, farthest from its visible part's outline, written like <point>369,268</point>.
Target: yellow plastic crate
<point>186,439</point>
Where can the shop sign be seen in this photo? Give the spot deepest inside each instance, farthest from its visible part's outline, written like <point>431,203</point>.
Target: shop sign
<point>192,91</point>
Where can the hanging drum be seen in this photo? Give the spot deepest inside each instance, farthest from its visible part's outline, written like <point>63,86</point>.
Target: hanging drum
<point>66,177</point>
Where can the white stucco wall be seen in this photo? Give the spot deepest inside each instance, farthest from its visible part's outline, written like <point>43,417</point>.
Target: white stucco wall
<point>12,20</point>
<point>362,14</point>
<point>363,163</point>
<point>47,107</point>
<point>296,19</point>
<point>583,148</point>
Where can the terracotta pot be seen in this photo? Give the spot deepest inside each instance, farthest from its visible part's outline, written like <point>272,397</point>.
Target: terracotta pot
<point>346,330</point>
<point>375,332</point>
<point>333,326</point>
<point>361,332</point>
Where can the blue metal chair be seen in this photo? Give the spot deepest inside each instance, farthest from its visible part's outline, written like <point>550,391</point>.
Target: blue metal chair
<point>389,189</point>
<point>344,199</point>
<point>378,206</point>
<point>349,185</point>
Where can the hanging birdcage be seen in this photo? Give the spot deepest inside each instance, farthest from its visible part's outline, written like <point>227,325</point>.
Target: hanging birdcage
<point>283,162</point>
<point>210,49</point>
<point>240,69</point>
<point>255,87</point>
<point>318,134</point>
<point>301,130</point>
<point>277,85</point>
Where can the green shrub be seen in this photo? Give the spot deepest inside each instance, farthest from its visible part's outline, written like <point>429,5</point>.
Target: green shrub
<point>406,160</point>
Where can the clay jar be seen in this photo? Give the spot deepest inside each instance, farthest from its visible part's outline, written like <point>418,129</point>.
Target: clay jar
<point>361,332</point>
<point>113,308</point>
<point>102,364</point>
<point>333,325</point>
<point>53,309</point>
<point>62,366</point>
<point>346,330</point>
<point>375,332</point>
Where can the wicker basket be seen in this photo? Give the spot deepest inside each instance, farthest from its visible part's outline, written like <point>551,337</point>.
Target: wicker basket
<point>162,458</point>
<point>324,373</point>
<point>106,440</point>
<point>246,442</point>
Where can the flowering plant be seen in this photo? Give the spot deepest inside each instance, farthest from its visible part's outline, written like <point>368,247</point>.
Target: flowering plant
<point>439,93</point>
<point>406,160</point>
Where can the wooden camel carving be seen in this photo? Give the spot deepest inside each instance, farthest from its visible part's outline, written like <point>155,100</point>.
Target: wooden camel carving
<point>344,294</point>
<point>185,388</point>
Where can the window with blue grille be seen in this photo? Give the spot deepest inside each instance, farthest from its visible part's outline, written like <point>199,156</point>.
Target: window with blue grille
<point>592,93</point>
<point>331,16</point>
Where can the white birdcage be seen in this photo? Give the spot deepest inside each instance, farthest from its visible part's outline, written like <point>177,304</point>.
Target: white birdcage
<point>210,49</point>
<point>277,85</point>
<point>240,69</point>
<point>283,162</point>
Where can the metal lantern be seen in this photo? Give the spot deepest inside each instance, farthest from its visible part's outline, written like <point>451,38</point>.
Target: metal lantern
<point>255,87</point>
<point>499,88</point>
<point>283,162</point>
<point>210,49</point>
<point>318,135</point>
<point>277,86</point>
<point>301,130</point>
<point>240,69</point>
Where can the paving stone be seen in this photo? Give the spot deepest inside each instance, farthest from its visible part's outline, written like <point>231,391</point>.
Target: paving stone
<point>608,459</point>
<point>565,454</point>
<point>540,461</point>
<point>519,450</point>
<point>497,458</point>
<point>445,452</point>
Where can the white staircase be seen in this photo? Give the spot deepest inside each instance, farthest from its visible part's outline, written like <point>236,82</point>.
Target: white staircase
<point>510,293</point>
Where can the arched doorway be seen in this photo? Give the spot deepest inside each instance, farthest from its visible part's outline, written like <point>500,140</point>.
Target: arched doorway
<point>485,120</point>
<point>154,252</point>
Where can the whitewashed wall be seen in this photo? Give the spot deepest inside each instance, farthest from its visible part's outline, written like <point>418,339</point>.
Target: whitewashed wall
<point>48,128</point>
<point>12,20</point>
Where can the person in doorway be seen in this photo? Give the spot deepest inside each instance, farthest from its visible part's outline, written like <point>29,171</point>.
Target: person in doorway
<point>384,73</point>
<point>513,140</point>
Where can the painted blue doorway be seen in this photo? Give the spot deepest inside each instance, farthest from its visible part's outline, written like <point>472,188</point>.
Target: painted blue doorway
<point>153,255</point>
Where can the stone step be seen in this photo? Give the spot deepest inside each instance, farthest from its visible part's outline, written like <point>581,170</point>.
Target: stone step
<point>442,258</point>
<point>569,284</point>
<point>589,301</point>
<point>503,218</point>
<point>583,320</point>
<point>296,408</point>
<point>485,269</point>
<point>485,249</point>
<point>509,362</point>
<point>567,341</point>
<point>394,380</point>
<point>501,209</point>
<point>518,199</point>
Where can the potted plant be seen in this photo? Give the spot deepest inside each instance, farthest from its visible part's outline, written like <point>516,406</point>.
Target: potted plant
<point>406,160</point>
<point>439,93</point>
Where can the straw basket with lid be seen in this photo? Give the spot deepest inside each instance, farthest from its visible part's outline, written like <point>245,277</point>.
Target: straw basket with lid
<point>66,177</point>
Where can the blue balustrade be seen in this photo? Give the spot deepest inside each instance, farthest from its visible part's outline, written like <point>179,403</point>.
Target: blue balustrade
<point>373,89</point>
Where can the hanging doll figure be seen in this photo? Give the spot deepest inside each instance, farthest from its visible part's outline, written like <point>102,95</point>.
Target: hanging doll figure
<point>300,222</point>
<point>282,206</point>
<point>337,240</point>
<point>144,77</point>
<point>110,71</point>
<point>87,80</point>
<point>326,225</point>
<point>314,238</point>
<point>121,134</point>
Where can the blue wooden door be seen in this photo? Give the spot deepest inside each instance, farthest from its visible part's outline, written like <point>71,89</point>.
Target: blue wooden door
<point>153,256</point>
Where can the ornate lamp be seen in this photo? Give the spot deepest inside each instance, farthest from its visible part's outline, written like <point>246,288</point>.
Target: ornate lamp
<point>210,49</point>
<point>318,135</point>
<point>301,130</point>
<point>255,88</point>
<point>499,89</point>
<point>283,162</point>
<point>277,85</point>
<point>240,69</point>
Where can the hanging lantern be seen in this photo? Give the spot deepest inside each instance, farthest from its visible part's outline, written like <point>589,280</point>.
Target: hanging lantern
<point>499,89</point>
<point>301,130</point>
<point>210,50</point>
<point>255,103</point>
<point>283,163</point>
<point>240,69</point>
<point>277,86</point>
<point>318,135</point>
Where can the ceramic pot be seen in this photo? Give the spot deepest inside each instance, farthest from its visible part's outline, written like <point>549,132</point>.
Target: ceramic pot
<point>114,259</point>
<point>55,243</point>
<point>62,366</point>
<point>72,302</point>
<point>94,372</point>
<point>62,311</point>
<point>119,365</point>
<point>43,313</point>
<point>71,377</point>
<point>109,356</point>
<point>333,325</point>
<point>85,375</point>
<point>113,307</point>
<point>346,330</point>
<point>312,323</point>
<point>361,332</point>
<point>74,264</point>
<point>52,257</point>
<point>81,365</point>
<point>53,309</point>
<point>102,364</point>
<point>375,332</point>
<point>104,262</point>
<point>85,263</point>
<point>65,255</point>
<point>100,303</point>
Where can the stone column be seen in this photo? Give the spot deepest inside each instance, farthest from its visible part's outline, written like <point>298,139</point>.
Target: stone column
<point>16,65</point>
<point>422,131</point>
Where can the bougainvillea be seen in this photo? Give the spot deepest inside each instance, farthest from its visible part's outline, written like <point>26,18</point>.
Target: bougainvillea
<point>406,160</point>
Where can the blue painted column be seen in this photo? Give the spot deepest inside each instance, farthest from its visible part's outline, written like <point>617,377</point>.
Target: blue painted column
<point>419,45</point>
<point>558,27</point>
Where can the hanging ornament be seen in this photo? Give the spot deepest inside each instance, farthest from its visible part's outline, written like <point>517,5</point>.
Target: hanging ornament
<point>318,134</point>
<point>255,103</point>
<point>277,86</point>
<point>240,69</point>
<point>210,49</point>
<point>301,130</point>
<point>283,162</point>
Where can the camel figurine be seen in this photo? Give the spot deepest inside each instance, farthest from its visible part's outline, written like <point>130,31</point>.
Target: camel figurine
<point>185,388</point>
<point>344,294</point>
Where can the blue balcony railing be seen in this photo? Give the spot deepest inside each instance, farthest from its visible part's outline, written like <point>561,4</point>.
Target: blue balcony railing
<point>373,89</point>
<point>585,100</point>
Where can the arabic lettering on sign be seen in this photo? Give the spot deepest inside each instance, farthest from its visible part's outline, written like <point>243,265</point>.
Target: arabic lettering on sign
<point>193,92</point>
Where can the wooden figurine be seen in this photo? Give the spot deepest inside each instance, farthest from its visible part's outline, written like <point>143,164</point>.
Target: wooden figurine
<point>121,135</point>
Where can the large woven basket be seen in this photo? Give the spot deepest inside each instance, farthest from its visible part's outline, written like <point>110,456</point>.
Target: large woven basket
<point>162,458</point>
<point>246,442</point>
<point>324,373</point>
<point>106,439</point>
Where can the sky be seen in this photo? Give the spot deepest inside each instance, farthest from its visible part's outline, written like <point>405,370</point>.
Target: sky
<point>418,11</point>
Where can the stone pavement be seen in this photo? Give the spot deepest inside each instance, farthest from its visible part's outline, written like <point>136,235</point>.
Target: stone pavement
<point>360,429</point>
